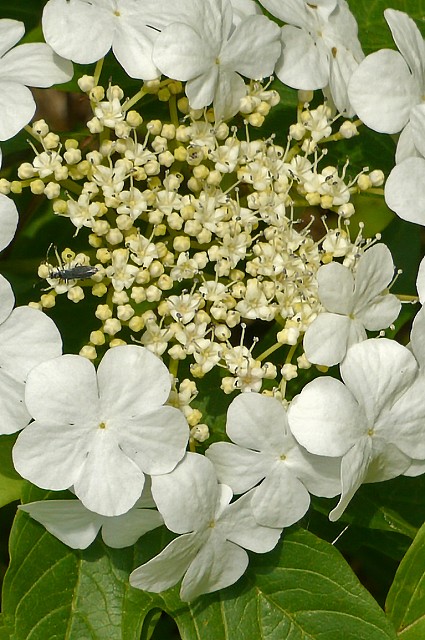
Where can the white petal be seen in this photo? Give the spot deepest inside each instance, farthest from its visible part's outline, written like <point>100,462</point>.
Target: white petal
<point>201,90</point>
<point>8,220</point>
<point>416,468</point>
<point>14,414</point>
<point>378,372</point>
<point>133,47</point>
<point>11,31</point>
<point>17,107</point>
<point>420,282</point>
<point>375,271</point>
<point>280,500</point>
<point>404,426</point>
<point>336,287</point>
<point>408,39</point>
<point>27,338</point>
<point>78,30</point>
<point>354,467</point>
<point>109,482</point>
<point>35,65</point>
<point>228,93</point>
<point>7,299</point>
<point>239,526</point>
<point>50,455</point>
<point>166,569</point>
<point>257,422</point>
<point>304,62</point>
<point>405,190</point>
<point>387,464</point>
<point>319,474</point>
<point>326,339</point>
<point>63,390</point>
<point>68,520</point>
<point>380,313</point>
<point>406,147</point>
<point>180,53</point>
<point>123,531</point>
<point>417,336</point>
<point>325,418</point>
<point>342,67</point>
<point>186,497</point>
<point>146,389</point>
<point>239,468</point>
<point>417,124</point>
<point>217,565</point>
<point>253,47</point>
<point>382,91</point>
<point>156,441</point>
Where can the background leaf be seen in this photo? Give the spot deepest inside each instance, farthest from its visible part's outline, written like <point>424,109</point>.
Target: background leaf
<point>406,598</point>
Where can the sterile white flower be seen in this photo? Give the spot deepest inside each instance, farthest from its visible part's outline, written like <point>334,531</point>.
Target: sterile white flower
<point>387,88</point>
<point>8,220</point>
<point>77,527</point>
<point>353,303</point>
<point>85,31</point>
<point>100,433</point>
<point>205,49</point>
<point>27,65</point>
<point>27,338</point>
<point>210,553</point>
<point>321,49</point>
<point>420,281</point>
<point>354,420</point>
<point>266,452</point>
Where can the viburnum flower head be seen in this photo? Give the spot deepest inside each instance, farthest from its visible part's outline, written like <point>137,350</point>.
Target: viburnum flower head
<point>387,89</point>
<point>76,526</point>
<point>355,419</point>
<point>210,550</point>
<point>100,433</point>
<point>85,31</point>
<point>266,452</point>
<point>321,49</point>
<point>206,50</point>
<point>28,65</point>
<point>353,303</point>
<point>27,338</point>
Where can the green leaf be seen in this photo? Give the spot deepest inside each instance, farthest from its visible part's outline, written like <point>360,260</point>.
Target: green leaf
<point>406,599</point>
<point>303,589</point>
<point>11,482</point>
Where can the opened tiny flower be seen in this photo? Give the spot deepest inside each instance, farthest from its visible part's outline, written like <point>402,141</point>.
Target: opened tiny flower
<point>266,452</point>
<point>77,527</point>
<point>210,553</point>
<point>100,433</point>
<point>27,338</point>
<point>353,303</point>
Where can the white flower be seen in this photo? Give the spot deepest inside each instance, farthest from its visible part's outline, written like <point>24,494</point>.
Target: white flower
<point>27,338</point>
<point>100,433</point>
<point>85,31</point>
<point>354,420</point>
<point>8,220</point>
<point>27,65</point>
<point>387,88</point>
<point>320,46</point>
<point>210,553</point>
<point>405,190</point>
<point>77,527</point>
<point>420,282</point>
<point>207,51</point>
<point>353,303</point>
<point>266,452</point>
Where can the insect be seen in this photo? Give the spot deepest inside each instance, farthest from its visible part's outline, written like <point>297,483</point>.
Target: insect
<point>67,268</point>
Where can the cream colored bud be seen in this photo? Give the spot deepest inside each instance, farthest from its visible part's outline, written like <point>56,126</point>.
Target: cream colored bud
<point>114,237</point>
<point>112,326</point>
<point>168,131</point>
<point>255,119</point>
<point>177,352</point>
<point>103,312</point>
<point>166,159</point>
<point>76,294</point>
<point>297,131</point>
<point>48,300</point>
<point>25,171</point>
<point>99,290</point>
<point>183,105</point>
<point>289,371</point>
<point>136,324</point>
<point>346,210</point>
<point>160,230</point>
<point>134,119</point>
<point>377,178</point>
<point>348,130</point>
<point>165,283</point>
<point>72,156</point>
<point>4,186</point>
<point>153,293</point>
<point>117,342</point>
<point>122,130</point>
<point>183,133</point>
<point>51,141</point>
<point>103,255</point>
<point>214,177</point>
<point>86,83</point>
<point>40,128</point>
<point>97,337</point>
<point>303,363</point>
<point>124,222</point>
<point>152,168</point>
<point>97,93</point>
<point>154,127</point>
<point>37,187</point>
<point>200,433</point>
<point>194,184</point>
<point>222,332</point>
<point>180,154</point>
<point>16,186</point>
<point>142,277</point>
<point>201,172</point>
<point>71,143</point>
<point>181,243</point>
<point>125,312</point>
<point>61,173</point>
<point>120,297</point>
<point>156,269</point>
<point>89,352</point>
<point>138,294</point>
<point>52,190</point>
<point>364,182</point>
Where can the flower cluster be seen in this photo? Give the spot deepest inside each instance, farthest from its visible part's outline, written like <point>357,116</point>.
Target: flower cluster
<point>218,259</point>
